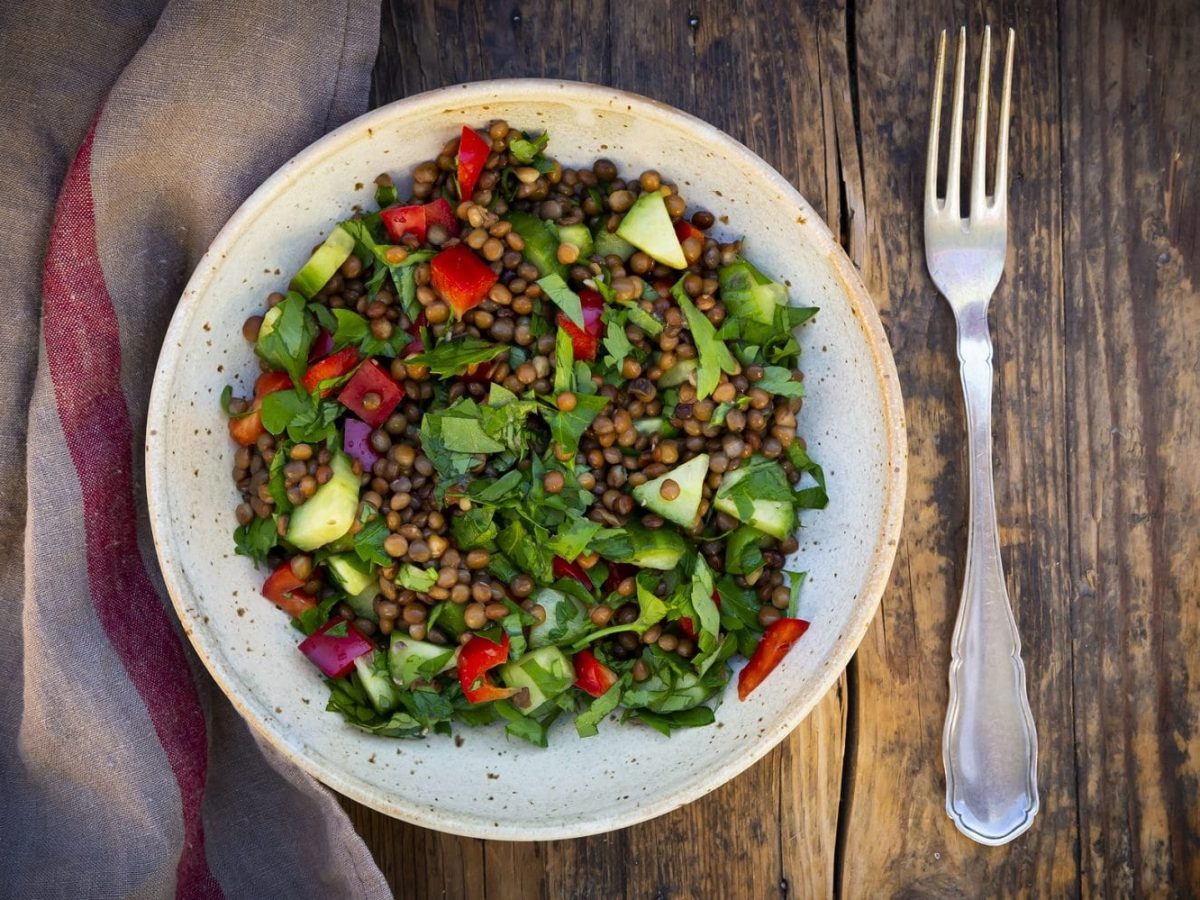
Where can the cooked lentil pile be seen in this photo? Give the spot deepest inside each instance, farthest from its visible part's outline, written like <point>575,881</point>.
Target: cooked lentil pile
<point>524,444</point>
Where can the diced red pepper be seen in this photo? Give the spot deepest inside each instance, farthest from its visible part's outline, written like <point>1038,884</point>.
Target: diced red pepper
<point>592,676</point>
<point>270,382</point>
<point>402,220</point>
<point>473,152</point>
<point>462,277</point>
<point>283,589</point>
<point>477,657</point>
<point>371,379</point>
<point>332,654</point>
<point>247,428</point>
<point>333,366</point>
<point>585,341</point>
<point>617,572</point>
<point>440,212</point>
<point>774,645</point>
<point>564,569</point>
<point>685,229</point>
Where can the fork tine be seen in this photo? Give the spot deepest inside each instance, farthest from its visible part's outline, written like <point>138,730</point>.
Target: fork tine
<point>954,159</point>
<point>1001,186</point>
<point>979,160</point>
<point>935,123</point>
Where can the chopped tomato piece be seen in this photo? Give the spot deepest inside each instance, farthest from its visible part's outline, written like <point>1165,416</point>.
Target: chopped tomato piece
<point>774,645</point>
<point>246,429</point>
<point>462,277</point>
<point>333,366</point>
<point>439,212</point>
<point>371,393</point>
<point>283,589</point>
<point>592,676</point>
<point>402,220</point>
<point>586,340</point>
<point>685,230</point>
<point>477,657</point>
<point>473,152</point>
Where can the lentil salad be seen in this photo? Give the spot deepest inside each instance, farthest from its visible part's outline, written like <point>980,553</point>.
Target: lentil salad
<point>524,445</point>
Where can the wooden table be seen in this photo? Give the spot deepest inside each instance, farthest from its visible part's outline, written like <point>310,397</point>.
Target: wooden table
<point>1097,419</point>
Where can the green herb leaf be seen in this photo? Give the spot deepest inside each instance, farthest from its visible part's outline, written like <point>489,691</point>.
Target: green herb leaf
<point>226,396</point>
<point>416,579</point>
<point>573,536</point>
<point>347,696</point>
<point>715,357</point>
<point>796,582</point>
<point>256,539</point>
<point>564,298</point>
<point>778,380</point>
<point>616,343</point>
<point>368,543</point>
<point>701,595</point>
<point>524,151</point>
<point>455,356</point>
<point>566,428</point>
<point>645,321</point>
<point>316,616</point>
<point>564,362</point>
<point>466,435</point>
<point>351,328</point>
<point>521,725</point>
<point>587,722</point>
<point>385,195</point>
<point>810,497</point>
<point>474,528</point>
<point>279,408</point>
<point>288,337</point>
<point>665,723</point>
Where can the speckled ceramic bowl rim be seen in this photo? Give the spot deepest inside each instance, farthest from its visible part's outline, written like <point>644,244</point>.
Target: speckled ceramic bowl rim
<point>166,534</point>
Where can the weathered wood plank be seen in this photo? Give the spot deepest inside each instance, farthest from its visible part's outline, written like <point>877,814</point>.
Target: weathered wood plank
<point>898,839</point>
<point>1132,267</point>
<point>759,76</point>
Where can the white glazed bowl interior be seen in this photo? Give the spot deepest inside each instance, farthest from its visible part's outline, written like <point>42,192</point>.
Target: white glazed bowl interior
<point>492,786</point>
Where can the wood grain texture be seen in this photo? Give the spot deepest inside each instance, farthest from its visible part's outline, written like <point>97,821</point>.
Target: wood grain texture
<point>1097,333</point>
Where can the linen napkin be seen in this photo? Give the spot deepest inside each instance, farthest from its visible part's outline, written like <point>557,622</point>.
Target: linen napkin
<point>132,131</point>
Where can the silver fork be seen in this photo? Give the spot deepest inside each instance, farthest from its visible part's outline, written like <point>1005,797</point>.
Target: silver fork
<point>989,745</point>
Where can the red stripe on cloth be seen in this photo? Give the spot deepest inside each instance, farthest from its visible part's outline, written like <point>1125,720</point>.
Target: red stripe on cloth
<point>84,351</point>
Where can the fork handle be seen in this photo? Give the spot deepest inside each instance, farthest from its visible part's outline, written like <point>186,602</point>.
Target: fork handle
<point>989,744</point>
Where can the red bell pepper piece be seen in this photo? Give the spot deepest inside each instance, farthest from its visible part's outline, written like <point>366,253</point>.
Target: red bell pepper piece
<point>460,276</point>
<point>617,572</point>
<point>774,645</point>
<point>564,569</point>
<point>586,340</point>
<point>248,427</point>
<point>477,657</point>
<point>592,676</point>
<point>270,382</point>
<point>282,588</point>
<point>473,152</point>
<point>332,654</point>
<point>402,220</point>
<point>440,212</point>
<point>371,379</point>
<point>333,366</point>
<point>685,230</point>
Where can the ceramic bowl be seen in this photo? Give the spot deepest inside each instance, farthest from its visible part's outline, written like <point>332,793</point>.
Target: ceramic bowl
<point>483,784</point>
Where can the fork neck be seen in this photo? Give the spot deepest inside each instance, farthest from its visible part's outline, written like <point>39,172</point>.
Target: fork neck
<point>974,339</point>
